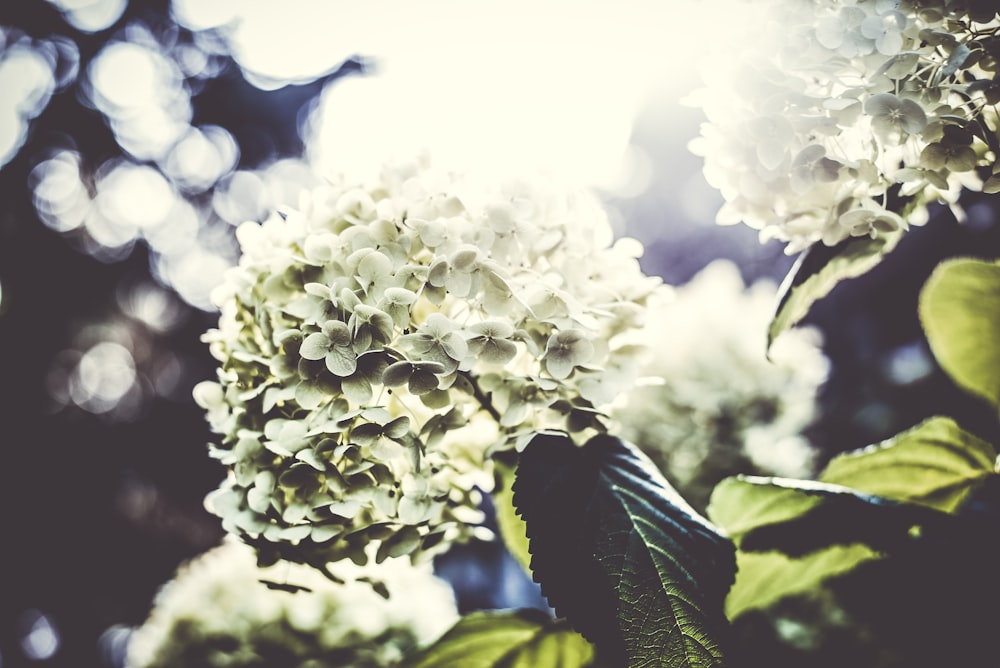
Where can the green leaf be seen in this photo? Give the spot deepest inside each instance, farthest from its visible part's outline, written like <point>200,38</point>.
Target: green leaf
<point>739,506</point>
<point>837,515</point>
<point>764,578</point>
<point>818,270</point>
<point>992,185</point>
<point>935,464</point>
<point>960,313</point>
<point>512,528</point>
<point>621,555</point>
<point>837,530</point>
<point>510,639</point>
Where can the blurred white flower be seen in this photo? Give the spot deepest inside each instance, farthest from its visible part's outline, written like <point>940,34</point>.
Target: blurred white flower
<point>378,344</point>
<point>218,611</point>
<point>711,403</point>
<point>833,108</point>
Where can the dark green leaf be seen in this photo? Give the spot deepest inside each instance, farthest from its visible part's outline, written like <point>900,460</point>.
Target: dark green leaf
<point>960,313</point>
<point>818,270</point>
<point>621,555</point>
<point>935,464</point>
<point>284,586</point>
<point>512,639</point>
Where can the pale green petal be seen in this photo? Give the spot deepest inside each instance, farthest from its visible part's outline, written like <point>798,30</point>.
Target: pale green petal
<point>498,351</point>
<point>315,346</point>
<point>357,389</point>
<point>397,373</point>
<point>345,507</point>
<point>259,499</point>
<point>337,332</point>
<point>499,329</point>
<point>914,119</point>
<point>341,361</point>
<point>422,381</point>
<point>417,509</point>
<point>881,104</point>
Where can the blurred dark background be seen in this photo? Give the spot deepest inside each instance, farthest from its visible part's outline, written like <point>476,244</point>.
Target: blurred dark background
<point>118,199</point>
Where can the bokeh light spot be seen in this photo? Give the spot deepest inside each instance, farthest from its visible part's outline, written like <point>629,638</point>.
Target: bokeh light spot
<point>178,232</point>
<point>201,15</point>
<point>194,274</point>
<point>60,196</point>
<point>40,638</point>
<point>26,79</point>
<point>201,158</point>
<point>125,75</point>
<point>134,195</point>
<point>141,91</point>
<point>27,83</point>
<point>113,645</point>
<point>151,305</point>
<point>240,198</point>
<point>103,377</point>
<point>12,133</point>
<point>908,363</point>
<point>91,15</point>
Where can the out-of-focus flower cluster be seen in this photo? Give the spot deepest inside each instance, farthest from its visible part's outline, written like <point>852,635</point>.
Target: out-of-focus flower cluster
<point>218,611</point>
<point>380,343</point>
<point>712,404</point>
<point>835,108</point>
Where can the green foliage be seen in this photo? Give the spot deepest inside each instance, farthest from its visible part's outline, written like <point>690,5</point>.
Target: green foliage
<point>822,515</point>
<point>936,464</point>
<point>960,313</point>
<point>743,505</point>
<point>818,270</point>
<point>621,556</point>
<point>793,535</point>
<point>513,639</point>
<point>764,578</point>
<point>900,504</point>
<point>512,528</point>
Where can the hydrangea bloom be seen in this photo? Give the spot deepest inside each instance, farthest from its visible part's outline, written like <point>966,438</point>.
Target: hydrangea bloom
<point>836,107</point>
<point>713,404</point>
<point>217,612</point>
<point>380,343</point>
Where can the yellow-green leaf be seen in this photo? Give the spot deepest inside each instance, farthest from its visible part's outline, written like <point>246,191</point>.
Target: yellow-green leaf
<point>512,528</point>
<point>960,313</point>
<point>818,270</point>
<point>507,639</point>
<point>740,506</point>
<point>763,578</point>
<point>936,464</point>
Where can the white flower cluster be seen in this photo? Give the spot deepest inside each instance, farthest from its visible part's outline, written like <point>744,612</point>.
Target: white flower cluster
<point>218,612</point>
<point>712,404</point>
<point>838,116</point>
<point>380,343</point>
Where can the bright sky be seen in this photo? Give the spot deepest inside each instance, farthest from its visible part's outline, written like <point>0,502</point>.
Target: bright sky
<point>506,85</point>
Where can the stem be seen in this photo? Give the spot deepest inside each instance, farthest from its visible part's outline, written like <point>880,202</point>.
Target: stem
<point>480,396</point>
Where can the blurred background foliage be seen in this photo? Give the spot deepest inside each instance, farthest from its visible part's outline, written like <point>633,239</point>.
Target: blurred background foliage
<point>135,135</point>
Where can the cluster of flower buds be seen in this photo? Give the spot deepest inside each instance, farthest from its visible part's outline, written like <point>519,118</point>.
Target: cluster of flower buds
<point>220,609</point>
<point>380,343</point>
<point>846,118</point>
